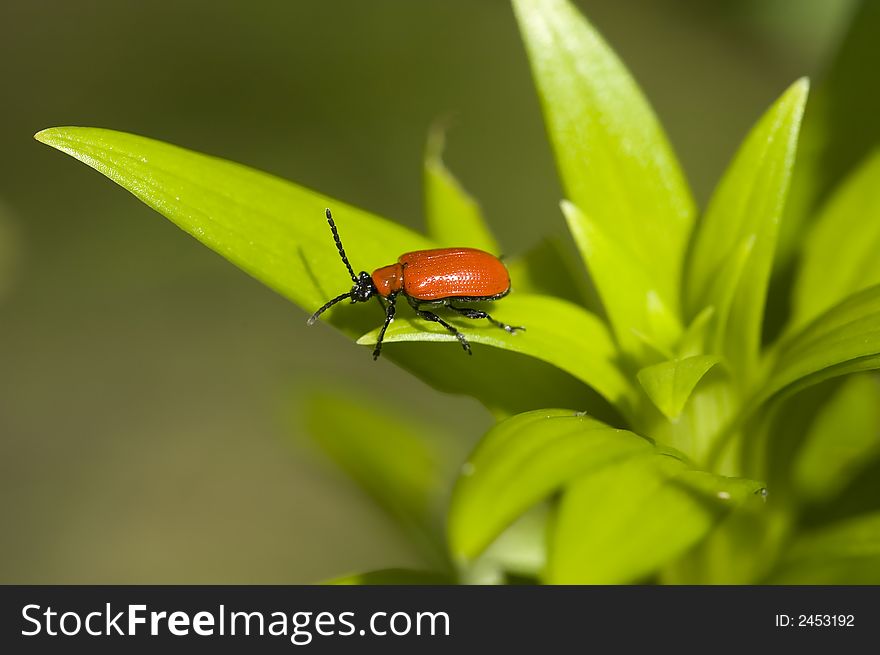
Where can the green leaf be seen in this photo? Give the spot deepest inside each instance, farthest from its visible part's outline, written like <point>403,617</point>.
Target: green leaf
<point>723,291</point>
<point>845,339</point>
<point>494,376</point>
<point>393,577</point>
<point>840,253</point>
<point>397,461</point>
<point>522,461</point>
<point>615,162</point>
<point>844,553</point>
<point>557,332</point>
<point>453,217</point>
<point>840,127</point>
<point>635,308</point>
<point>273,229</point>
<point>694,340</point>
<point>843,439</point>
<point>276,231</point>
<point>521,550</point>
<point>708,412</point>
<point>669,384</point>
<point>552,269</point>
<point>623,522</point>
<point>741,549</point>
<point>747,202</point>
<point>777,433</point>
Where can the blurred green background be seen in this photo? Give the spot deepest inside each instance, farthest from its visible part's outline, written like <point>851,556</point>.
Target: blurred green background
<point>151,394</point>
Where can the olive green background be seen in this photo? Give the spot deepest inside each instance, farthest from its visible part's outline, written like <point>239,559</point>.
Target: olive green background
<point>150,392</point>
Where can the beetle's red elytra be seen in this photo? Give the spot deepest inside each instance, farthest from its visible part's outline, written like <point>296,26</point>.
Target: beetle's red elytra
<point>434,277</point>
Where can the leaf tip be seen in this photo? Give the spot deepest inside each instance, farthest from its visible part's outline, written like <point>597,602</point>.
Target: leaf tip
<point>436,142</point>
<point>59,138</point>
<point>49,136</point>
<point>571,212</point>
<point>799,90</point>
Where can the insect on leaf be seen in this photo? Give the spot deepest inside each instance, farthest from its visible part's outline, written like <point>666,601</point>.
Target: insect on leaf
<point>276,231</point>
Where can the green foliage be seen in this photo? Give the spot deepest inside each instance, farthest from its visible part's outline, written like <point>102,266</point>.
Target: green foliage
<point>745,208</point>
<point>393,577</point>
<point>524,460</point>
<point>844,553</point>
<point>559,333</point>
<point>689,451</point>
<point>843,438</point>
<point>840,128</point>
<point>616,166</point>
<point>605,520</point>
<point>670,384</point>
<point>399,462</point>
<point>845,339</point>
<point>840,253</point>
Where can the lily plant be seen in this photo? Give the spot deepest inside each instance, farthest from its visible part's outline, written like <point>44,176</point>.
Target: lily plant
<point>646,428</point>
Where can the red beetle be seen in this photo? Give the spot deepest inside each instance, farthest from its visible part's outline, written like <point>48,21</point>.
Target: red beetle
<point>433,277</point>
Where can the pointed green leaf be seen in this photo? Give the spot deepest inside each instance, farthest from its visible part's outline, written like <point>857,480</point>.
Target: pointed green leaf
<point>840,255</point>
<point>622,522</point>
<point>843,553</point>
<point>397,461</point>
<point>273,229</point>
<point>276,231</point>
<point>614,160</point>
<point>630,296</point>
<point>557,332</point>
<point>843,439</point>
<point>393,577</point>
<point>522,461</point>
<point>748,201</point>
<point>669,384</point>
<point>845,339</point>
<point>708,412</point>
<point>453,217</point>
<point>695,338</point>
<point>723,291</point>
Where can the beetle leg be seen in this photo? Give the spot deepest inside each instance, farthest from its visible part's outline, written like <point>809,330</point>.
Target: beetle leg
<point>389,316</point>
<point>431,316</point>
<point>468,312</point>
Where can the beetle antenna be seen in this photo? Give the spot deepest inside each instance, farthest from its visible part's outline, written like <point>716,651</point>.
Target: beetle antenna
<point>339,248</point>
<point>327,305</point>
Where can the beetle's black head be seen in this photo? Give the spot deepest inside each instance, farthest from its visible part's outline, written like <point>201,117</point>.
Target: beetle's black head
<point>363,288</point>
